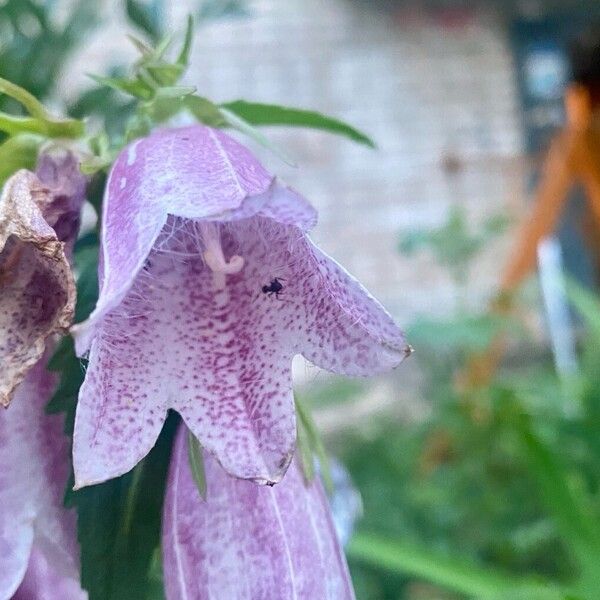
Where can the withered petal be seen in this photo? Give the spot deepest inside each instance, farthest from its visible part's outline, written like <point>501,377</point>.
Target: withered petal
<point>37,288</point>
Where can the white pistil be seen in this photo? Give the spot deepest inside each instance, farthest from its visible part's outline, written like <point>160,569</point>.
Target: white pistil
<point>214,258</point>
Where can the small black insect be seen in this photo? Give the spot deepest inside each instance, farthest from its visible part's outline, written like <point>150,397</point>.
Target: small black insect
<point>275,287</point>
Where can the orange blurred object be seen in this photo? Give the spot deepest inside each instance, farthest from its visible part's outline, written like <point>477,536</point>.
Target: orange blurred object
<point>573,157</point>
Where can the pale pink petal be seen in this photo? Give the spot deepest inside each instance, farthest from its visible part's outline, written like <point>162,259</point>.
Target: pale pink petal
<point>287,207</point>
<point>249,542</point>
<point>42,582</point>
<point>34,455</point>
<point>347,331</point>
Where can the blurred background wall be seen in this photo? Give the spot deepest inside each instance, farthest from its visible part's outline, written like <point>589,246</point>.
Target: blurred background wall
<point>436,89</point>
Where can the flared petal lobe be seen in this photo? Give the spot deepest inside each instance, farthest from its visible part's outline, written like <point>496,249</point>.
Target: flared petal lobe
<point>217,347</point>
<point>249,542</point>
<point>35,468</point>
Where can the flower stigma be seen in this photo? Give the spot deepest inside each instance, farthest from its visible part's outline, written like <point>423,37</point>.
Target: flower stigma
<point>214,257</point>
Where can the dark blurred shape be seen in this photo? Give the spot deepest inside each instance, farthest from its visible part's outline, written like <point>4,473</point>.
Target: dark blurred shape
<point>149,17</point>
<point>218,9</point>
<point>510,8</point>
<point>585,61</point>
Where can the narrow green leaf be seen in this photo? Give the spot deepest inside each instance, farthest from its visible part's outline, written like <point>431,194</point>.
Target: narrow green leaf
<point>64,399</point>
<point>131,500</point>
<point>162,46</point>
<point>14,125</point>
<point>305,451</point>
<point>157,587</point>
<point>86,265</point>
<point>64,360</point>
<point>59,360</point>
<point>587,305</point>
<point>197,463</point>
<point>18,152</point>
<point>571,512</point>
<point>234,120</point>
<point>458,575</point>
<point>256,113</point>
<point>40,120</point>
<point>184,54</point>
<point>140,45</point>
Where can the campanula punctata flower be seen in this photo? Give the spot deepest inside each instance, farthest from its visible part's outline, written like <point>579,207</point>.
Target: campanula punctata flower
<point>209,285</point>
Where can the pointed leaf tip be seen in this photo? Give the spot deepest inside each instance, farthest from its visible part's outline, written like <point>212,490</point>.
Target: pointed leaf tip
<point>184,54</point>
<point>197,464</point>
<point>257,113</point>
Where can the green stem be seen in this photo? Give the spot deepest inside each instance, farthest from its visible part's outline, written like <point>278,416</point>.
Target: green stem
<point>31,104</point>
<point>69,128</point>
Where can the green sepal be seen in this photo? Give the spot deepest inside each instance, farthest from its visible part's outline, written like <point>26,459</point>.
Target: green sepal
<point>164,74</point>
<point>95,164</point>
<point>310,441</point>
<point>305,451</point>
<point>196,463</point>
<point>134,87</point>
<point>205,111</point>
<point>141,46</point>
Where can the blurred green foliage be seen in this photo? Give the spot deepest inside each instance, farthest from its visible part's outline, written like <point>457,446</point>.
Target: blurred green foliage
<point>495,494</point>
<point>37,40</point>
<point>34,45</point>
<point>453,245</point>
